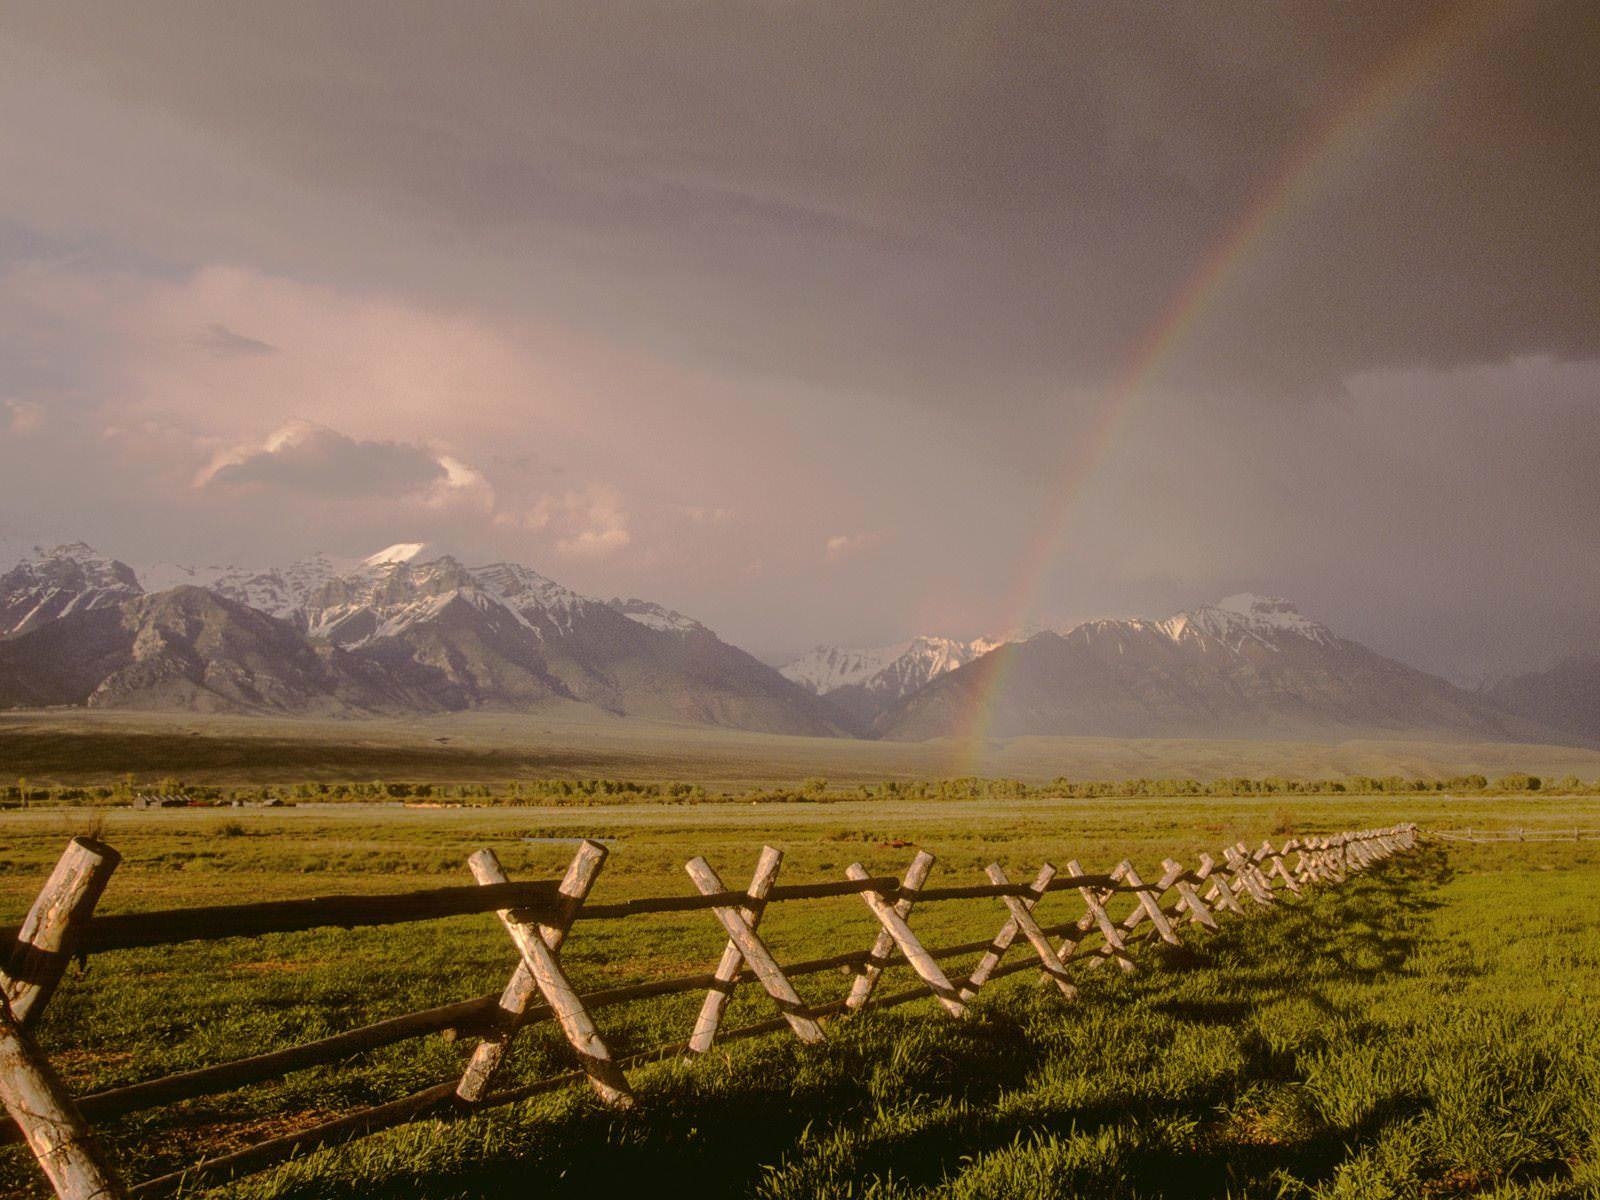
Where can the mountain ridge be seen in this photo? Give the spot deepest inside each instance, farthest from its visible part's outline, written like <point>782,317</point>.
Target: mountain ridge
<point>411,629</point>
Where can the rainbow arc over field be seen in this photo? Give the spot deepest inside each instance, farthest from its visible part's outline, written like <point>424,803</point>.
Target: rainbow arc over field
<point>1332,144</point>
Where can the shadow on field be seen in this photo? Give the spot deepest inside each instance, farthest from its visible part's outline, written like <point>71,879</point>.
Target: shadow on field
<point>1185,1079</point>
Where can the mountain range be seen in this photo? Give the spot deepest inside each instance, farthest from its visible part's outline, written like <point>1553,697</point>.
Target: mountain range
<point>397,632</point>
<point>413,630</point>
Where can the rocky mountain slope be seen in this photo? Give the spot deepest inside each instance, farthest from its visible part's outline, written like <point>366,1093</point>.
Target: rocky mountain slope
<point>1248,666</point>
<point>50,584</point>
<point>189,649</point>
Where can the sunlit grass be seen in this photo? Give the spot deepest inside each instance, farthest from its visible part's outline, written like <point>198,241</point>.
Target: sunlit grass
<point>1425,1030</point>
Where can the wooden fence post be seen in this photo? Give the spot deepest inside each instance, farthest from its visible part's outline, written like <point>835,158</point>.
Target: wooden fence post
<point>883,944</point>
<point>921,961</point>
<point>1149,906</point>
<point>32,1093</point>
<point>1002,941</point>
<point>1022,917</point>
<point>534,940</point>
<point>1220,893</point>
<point>716,1001</point>
<point>1249,868</point>
<point>50,1121</point>
<point>49,933</point>
<point>1094,902</point>
<point>755,953</point>
<point>1275,857</point>
<point>1242,871</point>
<point>1188,898</point>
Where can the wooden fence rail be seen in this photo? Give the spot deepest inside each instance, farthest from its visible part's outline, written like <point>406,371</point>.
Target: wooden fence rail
<point>538,917</point>
<point>1517,834</point>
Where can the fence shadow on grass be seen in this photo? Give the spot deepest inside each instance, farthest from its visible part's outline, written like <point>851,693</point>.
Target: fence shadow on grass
<point>1171,1082</point>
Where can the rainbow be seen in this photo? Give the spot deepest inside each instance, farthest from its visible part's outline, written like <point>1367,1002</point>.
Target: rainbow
<point>1330,145</point>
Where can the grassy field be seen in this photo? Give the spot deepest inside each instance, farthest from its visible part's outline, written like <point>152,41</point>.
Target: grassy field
<point>1427,1029</point>
<point>78,747</point>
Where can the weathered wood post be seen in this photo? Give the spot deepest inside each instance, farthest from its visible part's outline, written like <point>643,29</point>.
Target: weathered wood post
<point>727,975</point>
<point>32,1093</point>
<point>50,932</point>
<point>538,941</point>
<point>1189,899</point>
<point>755,952</point>
<point>883,945</point>
<point>923,963</point>
<point>1149,906</point>
<point>1021,911</point>
<point>50,1121</point>
<point>1008,934</point>
<point>1094,903</point>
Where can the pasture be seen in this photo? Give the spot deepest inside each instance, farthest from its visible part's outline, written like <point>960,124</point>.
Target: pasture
<point>100,747</point>
<point>1424,1029</point>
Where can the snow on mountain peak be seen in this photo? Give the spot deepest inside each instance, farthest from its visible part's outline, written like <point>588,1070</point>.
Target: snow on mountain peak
<point>655,616</point>
<point>1244,617</point>
<point>400,552</point>
<point>901,668</point>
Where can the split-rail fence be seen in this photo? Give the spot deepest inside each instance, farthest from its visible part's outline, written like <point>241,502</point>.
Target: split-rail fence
<point>538,917</point>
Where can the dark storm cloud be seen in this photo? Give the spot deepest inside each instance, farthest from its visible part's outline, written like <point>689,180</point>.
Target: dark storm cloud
<point>311,460</point>
<point>1004,191</point>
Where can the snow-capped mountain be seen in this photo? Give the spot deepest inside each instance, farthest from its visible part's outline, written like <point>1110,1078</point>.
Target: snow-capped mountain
<point>911,663</point>
<point>1246,617</point>
<point>1247,666</point>
<point>862,684</point>
<point>405,629</point>
<point>52,583</point>
<point>277,591</point>
<point>413,630</point>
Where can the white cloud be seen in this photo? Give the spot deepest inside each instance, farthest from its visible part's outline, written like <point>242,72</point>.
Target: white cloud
<point>591,522</point>
<point>461,485</point>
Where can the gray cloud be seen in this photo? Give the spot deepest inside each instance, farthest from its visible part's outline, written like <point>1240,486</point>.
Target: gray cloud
<point>310,460</point>
<point>1030,183</point>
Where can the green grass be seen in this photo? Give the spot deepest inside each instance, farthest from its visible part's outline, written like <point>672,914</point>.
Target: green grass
<point>1426,1030</point>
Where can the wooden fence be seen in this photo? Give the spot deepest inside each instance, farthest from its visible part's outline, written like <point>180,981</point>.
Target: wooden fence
<point>1517,834</point>
<point>538,917</point>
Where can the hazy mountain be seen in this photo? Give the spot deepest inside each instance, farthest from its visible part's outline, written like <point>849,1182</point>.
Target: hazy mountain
<point>1248,666</point>
<point>1566,697</point>
<point>861,685</point>
<point>49,584</point>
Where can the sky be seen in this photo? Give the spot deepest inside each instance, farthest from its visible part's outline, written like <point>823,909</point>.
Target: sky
<point>827,322</point>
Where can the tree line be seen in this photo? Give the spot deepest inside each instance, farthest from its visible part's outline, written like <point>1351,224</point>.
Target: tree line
<point>815,790</point>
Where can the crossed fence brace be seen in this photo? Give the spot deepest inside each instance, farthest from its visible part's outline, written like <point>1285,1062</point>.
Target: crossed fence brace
<point>1248,875</point>
<point>60,1138</point>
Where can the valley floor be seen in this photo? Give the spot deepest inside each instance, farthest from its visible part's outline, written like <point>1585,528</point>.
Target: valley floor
<point>1425,1030</point>
<point>79,746</point>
